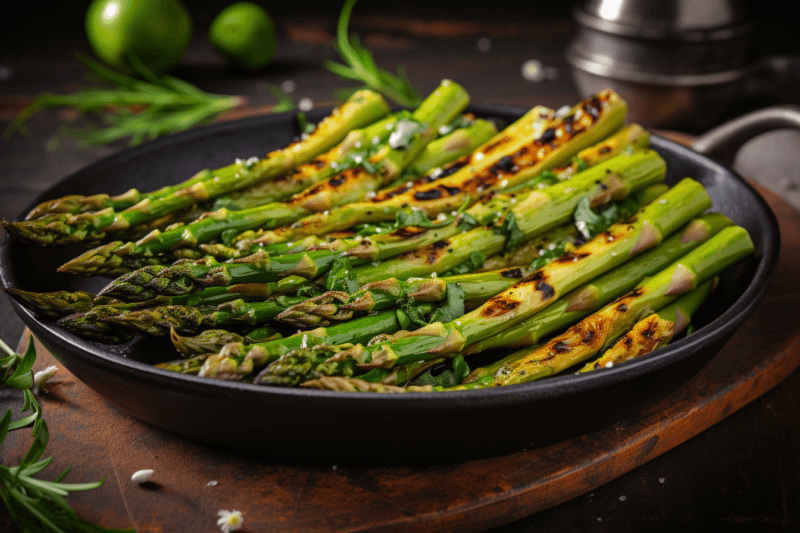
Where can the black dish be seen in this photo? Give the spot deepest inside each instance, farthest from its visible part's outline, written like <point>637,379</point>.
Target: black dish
<point>357,428</point>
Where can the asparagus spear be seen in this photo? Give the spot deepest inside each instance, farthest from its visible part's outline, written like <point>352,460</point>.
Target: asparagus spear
<point>628,137</point>
<point>113,259</point>
<point>339,306</point>
<point>606,251</point>
<point>537,212</point>
<point>237,360</point>
<point>405,142</point>
<point>552,144</point>
<point>363,108</point>
<point>459,143</point>
<point>601,329</point>
<point>448,150</point>
<point>158,321</point>
<point>212,341</point>
<point>654,331</point>
<point>604,289</point>
<point>64,303</point>
<point>189,366</point>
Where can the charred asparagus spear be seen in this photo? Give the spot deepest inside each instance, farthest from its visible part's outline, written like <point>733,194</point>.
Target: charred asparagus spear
<point>539,211</point>
<point>618,244</point>
<point>237,360</point>
<point>363,108</point>
<point>405,142</point>
<point>629,137</point>
<point>602,329</point>
<point>654,331</point>
<point>466,134</point>
<point>553,144</point>
<point>184,319</point>
<point>338,305</point>
<point>600,291</point>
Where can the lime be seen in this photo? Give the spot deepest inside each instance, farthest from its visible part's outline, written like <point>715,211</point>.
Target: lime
<point>244,34</point>
<point>156,32</point>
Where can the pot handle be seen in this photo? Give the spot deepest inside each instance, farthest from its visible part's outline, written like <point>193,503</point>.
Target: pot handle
<point>724,141</point>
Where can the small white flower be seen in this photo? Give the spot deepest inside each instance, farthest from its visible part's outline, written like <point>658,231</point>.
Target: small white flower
<point>230,520</point>
<point>40,378</point>
<point>142,476</point>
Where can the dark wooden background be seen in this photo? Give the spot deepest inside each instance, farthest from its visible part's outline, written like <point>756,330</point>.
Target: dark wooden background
<point>740,475</point>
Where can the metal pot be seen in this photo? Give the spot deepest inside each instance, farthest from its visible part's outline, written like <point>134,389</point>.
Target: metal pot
<point>678,64</point>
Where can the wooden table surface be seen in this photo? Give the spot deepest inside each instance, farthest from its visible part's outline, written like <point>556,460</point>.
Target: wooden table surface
<point>739,475</point>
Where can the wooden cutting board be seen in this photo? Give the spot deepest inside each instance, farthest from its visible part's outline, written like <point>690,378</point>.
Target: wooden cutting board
<point>192,482</point>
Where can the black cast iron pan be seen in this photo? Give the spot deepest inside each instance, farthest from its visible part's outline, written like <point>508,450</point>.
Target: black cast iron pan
<point>357,428</point>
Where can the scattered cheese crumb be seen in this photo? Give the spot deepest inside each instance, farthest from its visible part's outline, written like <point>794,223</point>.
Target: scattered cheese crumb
<point>609,364</point>
<point>623,498</point>
<point>288,86</point>
<point>211,484</point>
<point>661,480</point>
<point>478,156</point>
<point>142,476</point>
<point>335,467</point>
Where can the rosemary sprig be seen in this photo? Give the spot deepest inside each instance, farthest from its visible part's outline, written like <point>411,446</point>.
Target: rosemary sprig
<point>361,66</point>
<point>139,109</point>
<point>36,505</point>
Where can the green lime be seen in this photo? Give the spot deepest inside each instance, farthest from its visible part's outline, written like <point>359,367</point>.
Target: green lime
<point>156,32</point>
<point>244,34</point>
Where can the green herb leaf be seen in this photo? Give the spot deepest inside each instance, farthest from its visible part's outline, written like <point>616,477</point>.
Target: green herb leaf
<point>131,108</point>
<point>413,314</point>
<point>285,103</point>
<point>459,369</point>
<point>305,126</point>
<point>341,277</point>
<point>591,222</point>
<point>475,262</point>
<point>360,65</point>
<point>453,308</point>
<point>510,229</point>
<point>22,377</point>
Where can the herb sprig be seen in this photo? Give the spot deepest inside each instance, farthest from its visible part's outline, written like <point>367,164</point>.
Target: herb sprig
<point>361,66</point>
<point>36,505</point>
<point>129,107</point>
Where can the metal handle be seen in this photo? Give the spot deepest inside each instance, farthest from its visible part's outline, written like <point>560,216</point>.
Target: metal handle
<point>724,141</point>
